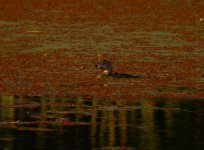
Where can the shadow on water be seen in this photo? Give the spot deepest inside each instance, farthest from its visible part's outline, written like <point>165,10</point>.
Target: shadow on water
<point>125,75</point>
<point>85,123</point>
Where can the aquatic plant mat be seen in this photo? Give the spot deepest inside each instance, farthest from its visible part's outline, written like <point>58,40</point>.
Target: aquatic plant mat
<point>50,48</point>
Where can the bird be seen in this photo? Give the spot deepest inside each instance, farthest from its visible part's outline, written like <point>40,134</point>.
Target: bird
<point>106,66</point>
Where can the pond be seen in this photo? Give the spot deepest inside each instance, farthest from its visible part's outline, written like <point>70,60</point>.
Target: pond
<point>85,123</point>
<point>55,100</point>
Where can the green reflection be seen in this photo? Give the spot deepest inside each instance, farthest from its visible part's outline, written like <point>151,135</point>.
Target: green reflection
<point>100,124</point>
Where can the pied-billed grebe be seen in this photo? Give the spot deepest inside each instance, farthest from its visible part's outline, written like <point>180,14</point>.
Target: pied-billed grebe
<point>106,66</point>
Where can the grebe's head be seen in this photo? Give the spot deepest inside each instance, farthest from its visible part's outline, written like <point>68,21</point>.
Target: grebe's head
<point>99,65</point>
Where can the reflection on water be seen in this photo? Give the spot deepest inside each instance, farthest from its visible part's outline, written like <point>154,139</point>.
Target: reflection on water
<point>84,123</point>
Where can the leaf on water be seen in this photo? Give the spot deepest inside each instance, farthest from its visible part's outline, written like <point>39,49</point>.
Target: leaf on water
<point>72,85</point>
<point>33,31</point>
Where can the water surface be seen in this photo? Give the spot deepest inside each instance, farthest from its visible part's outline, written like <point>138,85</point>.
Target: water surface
<point>47,54</point>
<point>84,123</point>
